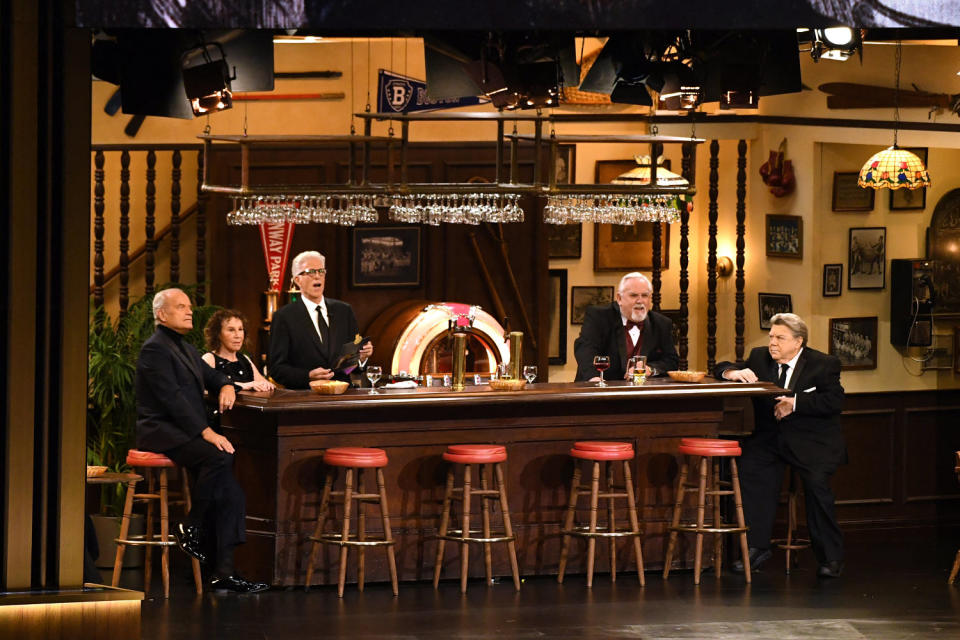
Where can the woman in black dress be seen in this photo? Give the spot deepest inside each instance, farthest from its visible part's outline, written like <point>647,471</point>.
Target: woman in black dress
<point>226,335</point>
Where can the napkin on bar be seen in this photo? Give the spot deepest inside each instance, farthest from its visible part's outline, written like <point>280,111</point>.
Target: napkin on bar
<point>406,384</point>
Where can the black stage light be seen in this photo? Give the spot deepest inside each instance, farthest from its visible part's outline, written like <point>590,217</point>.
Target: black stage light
<point>835,43</point>
<point>206,80</point>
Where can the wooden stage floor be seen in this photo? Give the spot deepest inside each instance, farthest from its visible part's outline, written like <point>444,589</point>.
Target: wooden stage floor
<point>891,590</point>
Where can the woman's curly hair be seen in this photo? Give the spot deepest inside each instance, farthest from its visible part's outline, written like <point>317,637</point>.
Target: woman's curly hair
<point>215,324</point>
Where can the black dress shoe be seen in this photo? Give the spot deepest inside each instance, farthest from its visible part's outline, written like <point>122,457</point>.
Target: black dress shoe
<point>237,585</point>
<point>757,558</point>
<point>188,539</point>
<point>832,569</point>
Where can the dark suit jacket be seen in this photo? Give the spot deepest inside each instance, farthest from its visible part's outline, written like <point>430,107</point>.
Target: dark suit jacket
<point>603,334</point>
<point>170,406</point>
<point>812,432</point>
<point>295,346</point>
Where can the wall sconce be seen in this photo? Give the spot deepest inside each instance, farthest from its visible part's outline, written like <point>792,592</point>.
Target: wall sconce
<point>724,267</point>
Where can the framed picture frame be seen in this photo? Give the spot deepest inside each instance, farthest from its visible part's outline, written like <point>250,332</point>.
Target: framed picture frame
<point>848,195</point>
<point>784,236</point>
<point>618,247</point>
<point>557,342</point>
<point>771,304</point>
<point>907,199</point>
<point>385,256</point>
<point>867,258</point>
<point>832,280</point>
<point>583,297</point>
<point>854,342</point>
<point>564,240</point>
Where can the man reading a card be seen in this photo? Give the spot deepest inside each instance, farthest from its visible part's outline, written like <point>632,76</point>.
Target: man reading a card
<point>800,428</point>
<point>308,337</point>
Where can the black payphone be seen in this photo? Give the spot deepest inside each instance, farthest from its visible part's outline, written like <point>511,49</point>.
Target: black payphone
<point>911,302</point>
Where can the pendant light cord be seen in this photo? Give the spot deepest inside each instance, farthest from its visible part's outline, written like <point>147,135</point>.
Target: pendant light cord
<point>896,94</point>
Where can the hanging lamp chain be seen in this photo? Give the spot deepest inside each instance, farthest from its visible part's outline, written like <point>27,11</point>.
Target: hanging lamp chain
<point>896,94</point>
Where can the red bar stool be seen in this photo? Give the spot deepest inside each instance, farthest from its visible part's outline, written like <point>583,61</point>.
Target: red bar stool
<point>708,450</point>
<point>153,467</point>
<point>483,456</point>
<point>602,453</point>
<point>355,461</point>
<point>793,541</point>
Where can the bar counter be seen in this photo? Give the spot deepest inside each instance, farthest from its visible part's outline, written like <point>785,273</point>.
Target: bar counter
<point>280,439</point>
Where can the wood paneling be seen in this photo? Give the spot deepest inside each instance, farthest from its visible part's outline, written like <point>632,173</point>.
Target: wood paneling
<point>901,448</point>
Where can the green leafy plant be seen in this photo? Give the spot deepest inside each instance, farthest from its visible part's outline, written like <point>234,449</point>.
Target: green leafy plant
<point>111,397</point>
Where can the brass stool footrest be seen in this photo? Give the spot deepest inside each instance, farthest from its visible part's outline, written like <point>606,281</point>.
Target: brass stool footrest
<point>337,539</point>
<point>454,538</point>
<point>723,528</point>
<point>141,541</point>
<point>600,532</point>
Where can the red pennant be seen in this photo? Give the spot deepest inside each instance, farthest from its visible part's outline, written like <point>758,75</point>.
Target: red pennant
<point>276,238</point>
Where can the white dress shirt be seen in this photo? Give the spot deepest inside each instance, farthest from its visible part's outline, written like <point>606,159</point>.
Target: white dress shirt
<point>312,310</point>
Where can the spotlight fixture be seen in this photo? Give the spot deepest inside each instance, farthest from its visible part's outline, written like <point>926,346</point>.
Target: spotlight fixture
<point>835,43</point>
<point>207,84</point>
<point>724,267</point>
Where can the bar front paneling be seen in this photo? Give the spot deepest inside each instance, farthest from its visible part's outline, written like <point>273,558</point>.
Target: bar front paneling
<point>280,440</point>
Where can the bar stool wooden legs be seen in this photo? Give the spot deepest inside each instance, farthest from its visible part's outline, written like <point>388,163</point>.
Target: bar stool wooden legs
<point>793,541</point>
<point>707,452</point>
<point>355,461</point>
<point>606,453</point>
<point>154,467</point>
<point>483,457</point>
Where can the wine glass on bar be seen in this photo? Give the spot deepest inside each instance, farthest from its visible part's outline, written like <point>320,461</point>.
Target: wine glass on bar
<point>373,374</point>
<point>530,373</point>
<point>601,364</point>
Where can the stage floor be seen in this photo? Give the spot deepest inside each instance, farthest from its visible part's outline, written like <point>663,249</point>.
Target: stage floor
<point>891,590</point>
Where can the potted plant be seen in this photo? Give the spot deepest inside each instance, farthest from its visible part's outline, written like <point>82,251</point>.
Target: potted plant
<point>113,349</point>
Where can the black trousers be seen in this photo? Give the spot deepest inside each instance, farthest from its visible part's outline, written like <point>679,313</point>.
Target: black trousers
<point>217,498</point>
<point>762,467</point>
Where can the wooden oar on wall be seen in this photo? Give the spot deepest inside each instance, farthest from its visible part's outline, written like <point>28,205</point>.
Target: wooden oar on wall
<point>850,95</point>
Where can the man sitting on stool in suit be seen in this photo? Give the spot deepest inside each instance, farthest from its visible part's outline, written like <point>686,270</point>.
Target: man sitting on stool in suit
<point>624,328</point>
<point>801,429</point>
<point>306,336</point>
<point>172,420</point>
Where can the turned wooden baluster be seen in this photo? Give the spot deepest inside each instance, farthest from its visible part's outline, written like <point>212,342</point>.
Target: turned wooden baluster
<point>150,222</point>
<point>98,229</point>
<point>124,231</point>
<point>688,170</point>
<point>175,218</point>
<point>657,150</point>
<point>201,233</point>
<point>712,214</point>
<point>741,245</point>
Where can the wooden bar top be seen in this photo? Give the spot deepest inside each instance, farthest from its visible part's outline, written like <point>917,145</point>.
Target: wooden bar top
<point>552,392</point>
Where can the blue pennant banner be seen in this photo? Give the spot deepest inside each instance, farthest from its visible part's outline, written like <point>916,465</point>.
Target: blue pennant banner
<point>402,94</point>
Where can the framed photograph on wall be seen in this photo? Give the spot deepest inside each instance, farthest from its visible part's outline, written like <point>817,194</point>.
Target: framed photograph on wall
<point>564,240</point>
<point>770,304</point>
<point>784,236</point>
<point>583,297</point>
<point>848,195</point>
<point>854,341</point>
<point>867,258</point>
<point>618,247</point>
<point>906,199</point>
<point>385,256</point>
<point>832,280</point>
<point>557,343</point>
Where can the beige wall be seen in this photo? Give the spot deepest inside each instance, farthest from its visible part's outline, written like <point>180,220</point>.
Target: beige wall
<point>816,153</point>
